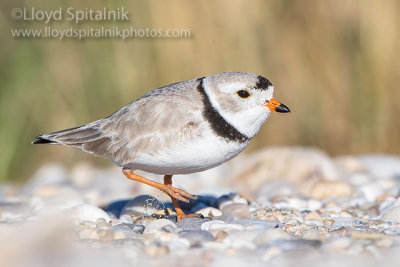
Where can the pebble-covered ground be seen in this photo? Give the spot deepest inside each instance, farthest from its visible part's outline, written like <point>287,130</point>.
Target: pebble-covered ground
<point>276,207</point>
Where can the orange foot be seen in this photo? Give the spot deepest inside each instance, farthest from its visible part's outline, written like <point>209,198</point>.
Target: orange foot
<point>181,216</point>
<point>174,193</point>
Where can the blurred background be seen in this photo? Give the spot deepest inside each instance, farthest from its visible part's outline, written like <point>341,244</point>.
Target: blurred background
<point>335,63</point>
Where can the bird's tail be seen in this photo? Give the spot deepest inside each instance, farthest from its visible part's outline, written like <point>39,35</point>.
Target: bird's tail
<point>73,136</point>
<point>89,138</point>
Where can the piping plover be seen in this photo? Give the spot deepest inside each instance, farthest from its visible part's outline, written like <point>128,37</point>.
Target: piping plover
<point>180,128</point>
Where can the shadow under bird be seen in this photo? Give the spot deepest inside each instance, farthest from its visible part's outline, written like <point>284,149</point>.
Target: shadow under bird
<point>180,128</point>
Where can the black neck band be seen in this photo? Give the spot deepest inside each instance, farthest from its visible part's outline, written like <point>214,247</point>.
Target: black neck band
<point>218,124</point>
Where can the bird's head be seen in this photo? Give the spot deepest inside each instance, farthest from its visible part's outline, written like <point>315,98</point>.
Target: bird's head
<point>243,99</point>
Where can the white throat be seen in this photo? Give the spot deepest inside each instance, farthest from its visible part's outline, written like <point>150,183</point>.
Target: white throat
<point>247,122</point>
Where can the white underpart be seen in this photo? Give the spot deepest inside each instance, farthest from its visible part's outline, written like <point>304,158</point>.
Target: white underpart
<point>205,152</point>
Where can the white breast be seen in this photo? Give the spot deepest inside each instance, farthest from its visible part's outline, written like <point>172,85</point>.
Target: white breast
<point>205,152</point>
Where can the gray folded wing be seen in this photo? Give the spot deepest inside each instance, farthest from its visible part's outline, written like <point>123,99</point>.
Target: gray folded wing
<point>160,120</point>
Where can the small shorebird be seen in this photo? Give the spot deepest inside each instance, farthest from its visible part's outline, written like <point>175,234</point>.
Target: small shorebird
<point>180,128</point>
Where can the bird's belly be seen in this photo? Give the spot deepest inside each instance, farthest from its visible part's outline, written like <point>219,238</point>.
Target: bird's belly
<point>195,156</point>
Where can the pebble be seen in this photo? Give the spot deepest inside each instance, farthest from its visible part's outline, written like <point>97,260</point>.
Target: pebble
<point>342,231</point>
<point>371,191</point>
<point>242,239</point>
<point>197,237</point>
<point>344,221</point>
<point>206,225</point>
<point>128,228</point>
<point>230,199</point>
<point>180,244</point>
<point>116,207</point>
<point>125,219</point>
<point>156,251</point>
<point>226,227</point>
<point>146,220</point>
<point>105,235</point>
<point>388,203</point>
<point>313,216</point>
<point>223,200</point>
<point>299,212</point>
<point>252,224</point>
<point>314,222</point>
<point>221,235</point>
<point>237,210</point>
<point>160,225</point>
<point>331,189</point>
<point>191,223</point>
<point>87,212</point>
<point>381,166</point>
<point>270,235</point>
<point>210,212</point>
<point>392,215</point>
<point>102,225</point>
<point>88,234</point>
<point>282,215</point>
<point>144,205</point>
<point>120,235</point>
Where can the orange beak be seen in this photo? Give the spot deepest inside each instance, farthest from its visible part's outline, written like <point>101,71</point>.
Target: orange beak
<point>275,105</point>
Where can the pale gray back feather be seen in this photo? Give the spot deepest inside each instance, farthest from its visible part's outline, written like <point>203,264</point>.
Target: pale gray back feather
<point>158,121</point>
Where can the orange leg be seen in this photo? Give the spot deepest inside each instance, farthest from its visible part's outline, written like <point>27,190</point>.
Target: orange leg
<point>174,193</point>
<point>179,212</point>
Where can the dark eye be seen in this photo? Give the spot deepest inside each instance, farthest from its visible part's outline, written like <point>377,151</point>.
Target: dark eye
<point>243,93</point>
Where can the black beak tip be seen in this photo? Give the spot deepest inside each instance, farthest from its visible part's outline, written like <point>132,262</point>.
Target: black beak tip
<point>282,109</point>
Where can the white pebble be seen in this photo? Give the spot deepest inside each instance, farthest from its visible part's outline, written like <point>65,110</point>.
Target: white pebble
<point>160,224</point>
<point>206,225</point>
<point>210,212</point>
<point>226,227</point>
<point>86,212</point>
<point>392,215</point>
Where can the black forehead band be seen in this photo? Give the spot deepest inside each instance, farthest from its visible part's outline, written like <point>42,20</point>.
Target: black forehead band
<point>263,83</point>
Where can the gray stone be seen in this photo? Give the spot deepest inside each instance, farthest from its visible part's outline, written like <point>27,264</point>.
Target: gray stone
<point>191,223</point>
<point>282,215</point>
<point>206,226</point>
<point>129,242</point>
<point>223,200</point>
<point>102,225</point>
<point>196,237</point>
<point>270,235</point>
<point>370,191</point>
<point>392,215</point>
<point>160,225</point>
<point>237,210</point>
<point>178,244</point>
<point>125,219</point>
<point>142,205</point>
<point>343,221</point>
<point>226,227</point>
<point>230,199</point>
<point>257,224</point>
<point>288,245</point>
<point>128,228</point>
<point>145,220</point>
<point>313,222</point>
<point>14,211</point>
<point>86,212</point>
<point>242,239</point>
<point>381,166</point>
<point>209,212</point>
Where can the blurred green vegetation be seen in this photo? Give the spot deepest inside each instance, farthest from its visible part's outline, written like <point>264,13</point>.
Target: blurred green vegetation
<point>335,63</point>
